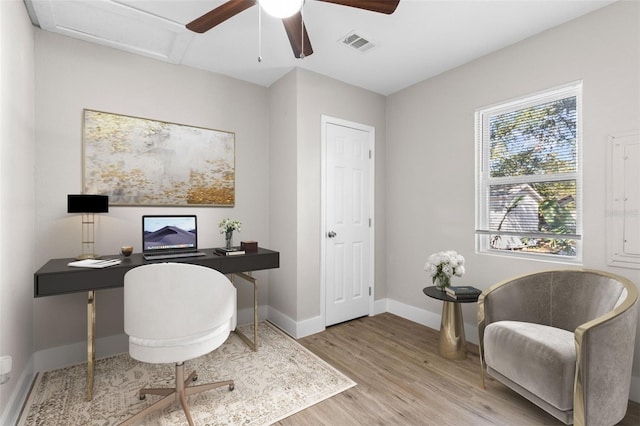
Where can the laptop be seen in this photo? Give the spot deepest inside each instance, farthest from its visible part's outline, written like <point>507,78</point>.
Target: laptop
<point>169,237</point>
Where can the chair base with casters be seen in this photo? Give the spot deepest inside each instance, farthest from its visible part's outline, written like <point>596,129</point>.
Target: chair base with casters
<point>175,313</point>
<point>178,394</point>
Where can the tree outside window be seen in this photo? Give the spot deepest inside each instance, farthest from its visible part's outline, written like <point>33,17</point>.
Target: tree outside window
<point>529,176</point>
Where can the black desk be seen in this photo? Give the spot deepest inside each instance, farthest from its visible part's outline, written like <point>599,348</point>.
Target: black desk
<point>452,343</point>
<point>55,278</point>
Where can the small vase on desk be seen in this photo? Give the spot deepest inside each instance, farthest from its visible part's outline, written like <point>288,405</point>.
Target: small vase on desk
<point>228,236</point>
<point>442,282</point>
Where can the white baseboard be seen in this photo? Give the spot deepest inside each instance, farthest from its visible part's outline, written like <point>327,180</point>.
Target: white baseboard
<point>421,316</point>
<point>75,353</point>
<point>9,415</point>
<point>428,318</point>
<point>245,316</point>
<point>380,306</point>
<point>432,320</point>
<point>63,356</point>
<point>299,329</point>
<point>284,322</point>
<point>314,325</point>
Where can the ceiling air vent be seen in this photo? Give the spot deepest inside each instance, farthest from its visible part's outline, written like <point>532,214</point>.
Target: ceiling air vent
<point>357,42</point>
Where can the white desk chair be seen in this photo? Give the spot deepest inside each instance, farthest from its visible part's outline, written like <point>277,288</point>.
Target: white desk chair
<point>174,312</point>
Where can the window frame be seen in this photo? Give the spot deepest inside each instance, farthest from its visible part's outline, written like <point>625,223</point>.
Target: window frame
<point>484,181</point>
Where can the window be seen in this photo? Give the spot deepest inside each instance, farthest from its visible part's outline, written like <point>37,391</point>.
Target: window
<point>529,176</point>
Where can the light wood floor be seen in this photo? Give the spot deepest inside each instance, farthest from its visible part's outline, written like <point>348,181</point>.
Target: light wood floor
<point>403,381</point>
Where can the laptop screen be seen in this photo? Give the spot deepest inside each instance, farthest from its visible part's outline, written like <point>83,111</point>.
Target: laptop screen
<point>169,233</point>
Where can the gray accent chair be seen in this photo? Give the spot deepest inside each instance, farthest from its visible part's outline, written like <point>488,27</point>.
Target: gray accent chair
<point>563,339</point>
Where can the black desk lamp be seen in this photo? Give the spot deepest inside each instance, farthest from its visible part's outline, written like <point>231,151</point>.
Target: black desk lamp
<point>88,205</point>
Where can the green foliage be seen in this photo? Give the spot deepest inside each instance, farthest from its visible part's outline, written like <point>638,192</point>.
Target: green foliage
<point>556,218</point>
<point>536,141</point>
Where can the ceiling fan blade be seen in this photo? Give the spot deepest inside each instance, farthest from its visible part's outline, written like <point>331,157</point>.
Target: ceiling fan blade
<point>219,15</point>
<point>296,31</point>
<point>381,6</point>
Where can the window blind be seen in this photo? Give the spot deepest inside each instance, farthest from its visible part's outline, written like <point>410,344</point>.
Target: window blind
<point>529,181</point>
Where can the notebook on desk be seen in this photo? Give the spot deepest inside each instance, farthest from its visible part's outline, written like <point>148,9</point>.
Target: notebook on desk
<point>169,237</point>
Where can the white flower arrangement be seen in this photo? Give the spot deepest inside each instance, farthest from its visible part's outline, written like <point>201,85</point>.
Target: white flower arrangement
<point>227,225</point>
<point>444,265</point>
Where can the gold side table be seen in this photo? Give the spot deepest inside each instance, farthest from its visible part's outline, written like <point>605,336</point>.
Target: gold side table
<point>452,343</point>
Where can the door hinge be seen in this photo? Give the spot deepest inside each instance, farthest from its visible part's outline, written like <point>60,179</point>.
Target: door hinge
<point>369,291</point>
<point>369,222</point>
<point>370,154</point>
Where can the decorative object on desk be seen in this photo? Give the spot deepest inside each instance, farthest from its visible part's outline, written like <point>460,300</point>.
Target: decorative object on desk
<point>137,161</point>
<point>233,251</point>
<point>227,226</point>
<point>463,292</point>
<point>249,246</point>
<point>126,250</point>
<point>88,205</point>
<point>95,263</point>
<point>444,265</point>
<point>263,395</point>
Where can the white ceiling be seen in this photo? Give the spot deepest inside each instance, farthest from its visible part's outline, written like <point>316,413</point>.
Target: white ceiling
<point>421,39</point>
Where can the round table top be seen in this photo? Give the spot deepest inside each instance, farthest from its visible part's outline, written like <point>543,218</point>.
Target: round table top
<point>442,295</point>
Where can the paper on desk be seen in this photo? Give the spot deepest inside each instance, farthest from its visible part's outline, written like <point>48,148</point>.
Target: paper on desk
<point>94,263</point>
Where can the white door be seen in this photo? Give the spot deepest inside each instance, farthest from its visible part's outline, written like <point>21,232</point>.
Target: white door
<point>347,264</point>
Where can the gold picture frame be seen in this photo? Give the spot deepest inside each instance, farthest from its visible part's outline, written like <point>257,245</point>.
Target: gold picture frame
<point>143,162</point>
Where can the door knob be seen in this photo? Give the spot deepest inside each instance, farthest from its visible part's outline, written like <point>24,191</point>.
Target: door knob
<point>331,234</point>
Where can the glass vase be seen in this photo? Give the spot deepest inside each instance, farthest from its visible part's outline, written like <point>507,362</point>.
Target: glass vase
<point>228,237</point>
<point>442,282</point>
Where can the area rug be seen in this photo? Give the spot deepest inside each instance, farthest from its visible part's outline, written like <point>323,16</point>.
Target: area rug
<point>279,380</point>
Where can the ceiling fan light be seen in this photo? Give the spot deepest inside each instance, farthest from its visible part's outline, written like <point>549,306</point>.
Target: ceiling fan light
<point>281,8</point>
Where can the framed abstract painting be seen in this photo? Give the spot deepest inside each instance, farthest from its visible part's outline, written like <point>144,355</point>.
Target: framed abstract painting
<point>143,162</point>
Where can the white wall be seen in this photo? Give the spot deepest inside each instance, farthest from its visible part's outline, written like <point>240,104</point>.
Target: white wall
<point>283,196</point>
<point>72,75</point>
<point>16,201</point>
<point>320,95</point>
<point>298,102</point>
<point>424,165</point>
<point>431,168</point>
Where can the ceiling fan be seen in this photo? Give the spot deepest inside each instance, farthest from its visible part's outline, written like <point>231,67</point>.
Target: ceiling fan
<point>291,18</point>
